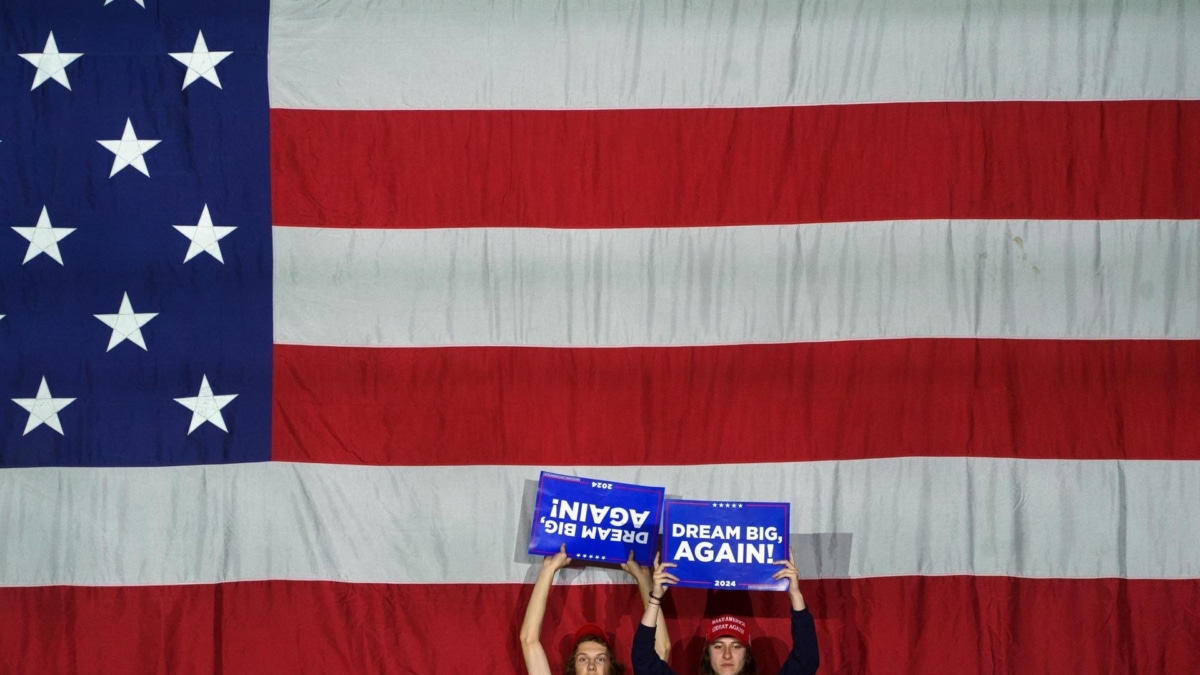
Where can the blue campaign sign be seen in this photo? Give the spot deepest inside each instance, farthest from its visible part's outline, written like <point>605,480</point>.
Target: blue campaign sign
<point>726,544</point>
<point>598,520</point>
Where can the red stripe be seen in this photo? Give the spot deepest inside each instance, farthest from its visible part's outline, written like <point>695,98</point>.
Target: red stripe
<point>746,403</point>
<point>666,168</point>
<point>906,625</point>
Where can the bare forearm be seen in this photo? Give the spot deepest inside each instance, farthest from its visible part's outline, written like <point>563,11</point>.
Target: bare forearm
<point>535,611</point>
<point>662,639</point>
<point>797,601</point>
<point>652,614</point>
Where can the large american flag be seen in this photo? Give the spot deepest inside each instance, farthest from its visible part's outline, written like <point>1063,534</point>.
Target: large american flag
<point>299,298</point>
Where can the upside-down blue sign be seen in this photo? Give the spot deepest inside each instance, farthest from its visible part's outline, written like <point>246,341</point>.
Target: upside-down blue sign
<point>726,544</point>
<point>598,520</point>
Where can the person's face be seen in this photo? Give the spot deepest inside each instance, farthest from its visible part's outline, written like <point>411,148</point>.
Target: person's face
<point>727,656</point>
<point>591,658</point>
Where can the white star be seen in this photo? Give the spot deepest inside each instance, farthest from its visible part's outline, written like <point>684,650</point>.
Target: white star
<point>43,238</point>
<point>200,62</point>
<point>205,407</point>
<point>43,409</point>
<point>50,64</point>
<point>126,324</point>
<point>205,237</point>
<point>128,151</point>
<point>140,2</point>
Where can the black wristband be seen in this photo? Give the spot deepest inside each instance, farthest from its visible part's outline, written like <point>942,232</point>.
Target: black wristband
<point>656,597</point>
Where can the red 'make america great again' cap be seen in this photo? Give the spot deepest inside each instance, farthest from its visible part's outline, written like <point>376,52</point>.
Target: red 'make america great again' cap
<point>590,629</point>
<point>727,626</point>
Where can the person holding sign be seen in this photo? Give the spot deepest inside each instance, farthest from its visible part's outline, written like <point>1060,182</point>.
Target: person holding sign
<point>727,638</point>
<point>592,652</point>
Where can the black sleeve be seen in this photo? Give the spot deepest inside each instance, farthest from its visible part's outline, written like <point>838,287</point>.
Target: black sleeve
<point>645,659</point>
<point>803,659</point>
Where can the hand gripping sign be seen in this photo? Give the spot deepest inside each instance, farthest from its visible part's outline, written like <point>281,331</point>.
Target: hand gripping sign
<point>598,520</point>
<point>726,544</point>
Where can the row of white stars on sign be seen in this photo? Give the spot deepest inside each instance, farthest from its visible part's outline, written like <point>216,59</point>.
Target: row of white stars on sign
<point>205,406</point>
<point>204,237</point>
<point>52,64</point>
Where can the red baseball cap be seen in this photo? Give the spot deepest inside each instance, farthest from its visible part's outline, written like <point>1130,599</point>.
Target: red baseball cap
<point>591,629</point>
<point>727,626</point>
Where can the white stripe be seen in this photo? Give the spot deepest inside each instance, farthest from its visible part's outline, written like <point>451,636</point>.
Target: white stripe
<point>509,54</point>
<point>732,285</point>
<point>930,516</point>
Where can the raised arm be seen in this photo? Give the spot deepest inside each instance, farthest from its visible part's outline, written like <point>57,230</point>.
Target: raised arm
<point>804,659</point>
<point>659,583</point>
<point>793,578</point>
<point>646,660</point>
<point>644,578</point>
<point>536,662</point>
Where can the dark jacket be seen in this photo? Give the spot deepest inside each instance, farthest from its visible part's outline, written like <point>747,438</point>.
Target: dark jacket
<point>802,660</point>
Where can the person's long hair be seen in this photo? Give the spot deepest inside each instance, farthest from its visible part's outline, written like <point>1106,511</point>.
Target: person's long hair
<point>748,668</point>
<point>614,666</point>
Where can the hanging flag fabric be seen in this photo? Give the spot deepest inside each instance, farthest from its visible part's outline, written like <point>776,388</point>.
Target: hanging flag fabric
<point>300,298</point>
